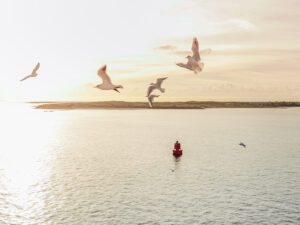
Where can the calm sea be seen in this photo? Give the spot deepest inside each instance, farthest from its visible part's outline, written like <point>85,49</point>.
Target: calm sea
<point>116,166</point>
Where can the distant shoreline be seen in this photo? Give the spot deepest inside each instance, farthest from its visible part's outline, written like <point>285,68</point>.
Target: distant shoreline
<point>160,105</point>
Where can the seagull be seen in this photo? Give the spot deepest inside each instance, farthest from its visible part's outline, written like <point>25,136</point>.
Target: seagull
<point>150,99</point>
<point>156,85</point>
<point>194,62</point>
<point>33,73</point>
<point>106,82</point>
<point>242,144</point>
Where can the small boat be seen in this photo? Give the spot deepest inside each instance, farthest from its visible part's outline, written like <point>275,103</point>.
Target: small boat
<point>177,152</point>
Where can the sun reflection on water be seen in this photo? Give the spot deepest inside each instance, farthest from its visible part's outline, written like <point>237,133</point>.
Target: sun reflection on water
<point>27,135</point>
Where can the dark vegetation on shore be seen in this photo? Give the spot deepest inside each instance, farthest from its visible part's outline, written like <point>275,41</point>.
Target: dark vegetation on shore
<point>161,105</point>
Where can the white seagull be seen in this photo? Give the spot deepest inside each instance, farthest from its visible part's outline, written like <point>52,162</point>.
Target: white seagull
<point>106,82</point>
<point>150,99</point>
<point>33,73</point>
<point>156,85</point>
<point>194,62</point>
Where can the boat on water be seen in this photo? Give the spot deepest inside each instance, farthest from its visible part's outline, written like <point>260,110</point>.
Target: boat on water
<point>177,152</point>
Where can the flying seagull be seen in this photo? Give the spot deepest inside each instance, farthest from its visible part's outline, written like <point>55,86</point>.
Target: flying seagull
<point>156,85</point>
<point>151,98</point>
<point>106,82</point>
<point>33,73</point>
<point>194,62</point>
<point>242,144</point>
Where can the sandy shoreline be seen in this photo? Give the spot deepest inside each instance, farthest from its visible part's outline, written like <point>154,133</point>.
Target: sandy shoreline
<point>160,105</point>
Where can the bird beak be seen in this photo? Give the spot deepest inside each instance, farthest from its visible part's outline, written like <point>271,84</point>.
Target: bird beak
<point>116,90</point>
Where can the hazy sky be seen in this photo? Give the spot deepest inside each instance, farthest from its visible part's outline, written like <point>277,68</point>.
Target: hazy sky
<point>255,48</point>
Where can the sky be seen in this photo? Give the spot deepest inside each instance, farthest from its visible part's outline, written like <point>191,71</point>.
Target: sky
<point>255,49</point>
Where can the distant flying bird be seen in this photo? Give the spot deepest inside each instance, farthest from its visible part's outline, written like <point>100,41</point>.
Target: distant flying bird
<point>194,62</point>
<point>242,144</point>
<point>33,73</point>
<point>106,82</point>
<point>151,98</point>
<point>156,85</point>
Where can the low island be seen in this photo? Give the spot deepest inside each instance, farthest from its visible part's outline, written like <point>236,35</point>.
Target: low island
<point>160,105</point>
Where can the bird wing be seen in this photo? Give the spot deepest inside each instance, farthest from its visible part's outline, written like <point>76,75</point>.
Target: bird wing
<point>26,77</point>
<point>150,89</point>
<point>195,50</point>
<point>103,75</point>
<point>150,102</point>
<point>153,96</point>
<point>160,80</point>
<point>184,65</point>
<point>35,68</point>
<point>150,99</point>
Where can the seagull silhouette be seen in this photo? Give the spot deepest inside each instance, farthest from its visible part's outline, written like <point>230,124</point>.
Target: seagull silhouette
<point>242,144</point>
<point>106,81</point>
<point>156,85</point>
<point>33,73</point>
<point>194,62</point>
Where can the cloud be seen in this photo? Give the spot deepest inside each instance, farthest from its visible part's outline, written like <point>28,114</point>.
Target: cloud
<point>185,53</point>
<point>182,53</point>
<point>165,48</point>
<point>244,24</point>
<point>274,52</point>
<point>124,71</point>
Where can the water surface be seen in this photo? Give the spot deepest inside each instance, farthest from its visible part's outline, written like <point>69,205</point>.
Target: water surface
<point>116,166</point>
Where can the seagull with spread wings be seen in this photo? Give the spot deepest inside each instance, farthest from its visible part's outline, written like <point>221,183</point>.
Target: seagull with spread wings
<point>33,73</point>
<point>151,98</point>
<point>106,81</point>
<point>156,85</point>
<point>194,62</point>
